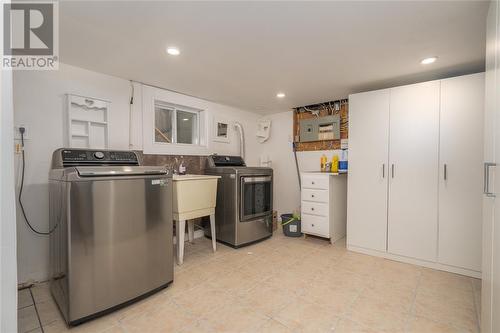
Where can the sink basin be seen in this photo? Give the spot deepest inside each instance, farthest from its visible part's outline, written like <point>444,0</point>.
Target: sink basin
<point>194,196</point>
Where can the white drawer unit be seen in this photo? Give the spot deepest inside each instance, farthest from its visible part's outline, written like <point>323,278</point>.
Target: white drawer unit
<point>324,204</point>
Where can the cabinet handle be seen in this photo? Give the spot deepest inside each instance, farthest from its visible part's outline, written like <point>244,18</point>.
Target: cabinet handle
<point>445,172</point>
<point>486,180</point>
<point>312,195</point>
<point>312,208</point>
<point>312,224</point>
<point>312,183</point>
<point>392,170</point>
<point>383,170</point>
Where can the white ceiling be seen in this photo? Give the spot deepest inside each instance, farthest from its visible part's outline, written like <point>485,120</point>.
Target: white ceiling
<point>243,53</point>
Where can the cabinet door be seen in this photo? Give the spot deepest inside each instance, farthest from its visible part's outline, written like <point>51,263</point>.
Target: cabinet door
<point>491,88</point>
<point>495,187</point>
<point>461,171</point>
<point>368,170</point>
<point>413,159</point>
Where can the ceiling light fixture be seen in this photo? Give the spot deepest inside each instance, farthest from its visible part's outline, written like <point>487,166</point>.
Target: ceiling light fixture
<point>280,95</point>
<point>185,119</point>
<point>428,61</point>
<point>172,50</point>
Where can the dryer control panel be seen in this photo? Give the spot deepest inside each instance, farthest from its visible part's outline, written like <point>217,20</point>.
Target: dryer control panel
<point>75,157</point>
<point>224,160</point>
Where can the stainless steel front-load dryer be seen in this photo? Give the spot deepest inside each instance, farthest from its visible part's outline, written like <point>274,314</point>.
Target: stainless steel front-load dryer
<point>244,208</point>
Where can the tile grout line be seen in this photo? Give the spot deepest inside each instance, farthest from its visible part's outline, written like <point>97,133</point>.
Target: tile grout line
<point>22,289</point>
<point>36,311</point>
<point>412,307</point>
<point>347,312</point>
<point>24,307</point>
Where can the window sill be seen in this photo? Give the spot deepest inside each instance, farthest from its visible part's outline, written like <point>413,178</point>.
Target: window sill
<point>176,149</point>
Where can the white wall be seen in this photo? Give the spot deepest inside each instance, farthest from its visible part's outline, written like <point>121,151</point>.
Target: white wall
<point>8,266</point>
<point>39,103</point>
<point>286,193</point>
<point>279,148</point>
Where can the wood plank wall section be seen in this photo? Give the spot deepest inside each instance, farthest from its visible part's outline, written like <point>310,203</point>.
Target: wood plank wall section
<point>325,109</point>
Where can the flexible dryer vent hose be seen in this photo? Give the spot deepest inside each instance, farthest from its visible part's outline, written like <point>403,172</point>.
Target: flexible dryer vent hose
<point>239,127</point>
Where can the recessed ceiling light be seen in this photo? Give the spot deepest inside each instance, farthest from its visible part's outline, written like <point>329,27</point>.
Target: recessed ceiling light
<point>428,61</point>
<point>185,119</point>
<point>280,95</point>
<point>172,50</point>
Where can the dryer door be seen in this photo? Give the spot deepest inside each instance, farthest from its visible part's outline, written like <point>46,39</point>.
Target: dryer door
<point>255,197</point>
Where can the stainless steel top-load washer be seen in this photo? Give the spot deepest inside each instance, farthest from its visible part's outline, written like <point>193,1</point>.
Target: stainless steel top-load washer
<point>113,242</point>
<point>244,208</point>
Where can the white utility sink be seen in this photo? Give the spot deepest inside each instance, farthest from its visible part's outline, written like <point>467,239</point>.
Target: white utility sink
<point>194,196</point>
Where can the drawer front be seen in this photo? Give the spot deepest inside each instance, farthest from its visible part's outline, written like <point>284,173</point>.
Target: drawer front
<point>314,195</point>
<point>315,181</point>
<point>317,225</point>
<point>314,208</point>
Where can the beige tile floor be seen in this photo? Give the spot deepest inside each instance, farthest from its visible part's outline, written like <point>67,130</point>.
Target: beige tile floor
<point>284,285</point>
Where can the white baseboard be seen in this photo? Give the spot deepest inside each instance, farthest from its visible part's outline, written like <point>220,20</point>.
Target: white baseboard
<point>413,261</point>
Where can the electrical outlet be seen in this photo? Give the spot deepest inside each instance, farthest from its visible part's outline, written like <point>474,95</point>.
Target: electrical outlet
<point>17,134</point>
<point>18,148</point>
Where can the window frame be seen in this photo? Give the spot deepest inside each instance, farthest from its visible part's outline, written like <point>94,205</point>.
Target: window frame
<point>197,126</point>
<point>175,108</point>
<point>169,99</point>
<point>163,106</point>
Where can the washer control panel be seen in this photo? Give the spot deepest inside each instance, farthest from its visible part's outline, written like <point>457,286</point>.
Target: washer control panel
<point>72,157</point>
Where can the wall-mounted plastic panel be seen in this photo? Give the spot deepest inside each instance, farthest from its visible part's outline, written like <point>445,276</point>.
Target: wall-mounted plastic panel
<point>87,122</point>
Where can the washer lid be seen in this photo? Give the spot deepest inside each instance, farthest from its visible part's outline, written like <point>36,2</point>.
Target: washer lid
<point>113,171</point>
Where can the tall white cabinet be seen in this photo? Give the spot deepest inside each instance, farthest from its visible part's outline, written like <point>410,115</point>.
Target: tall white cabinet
<point>367,185</point>
<point>413,159</point>
<point>461,172</point>
<point>490,290</point>
<point>414,190</point>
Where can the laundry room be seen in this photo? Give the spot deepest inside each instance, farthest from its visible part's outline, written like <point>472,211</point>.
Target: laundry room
<point>250,166</point>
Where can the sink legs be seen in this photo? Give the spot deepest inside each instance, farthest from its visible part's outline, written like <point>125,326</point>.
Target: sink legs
<point>180,229</point>
<point>190,230</point>
<point>212,231</point>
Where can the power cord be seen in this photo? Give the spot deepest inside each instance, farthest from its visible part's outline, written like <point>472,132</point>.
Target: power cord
<point>22,130</point>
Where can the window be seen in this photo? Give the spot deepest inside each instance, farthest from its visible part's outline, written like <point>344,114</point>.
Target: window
<point>176,124</point>
<point>163,124</point>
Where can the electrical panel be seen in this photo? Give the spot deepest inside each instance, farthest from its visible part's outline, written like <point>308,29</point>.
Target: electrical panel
<point>320,128</point>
